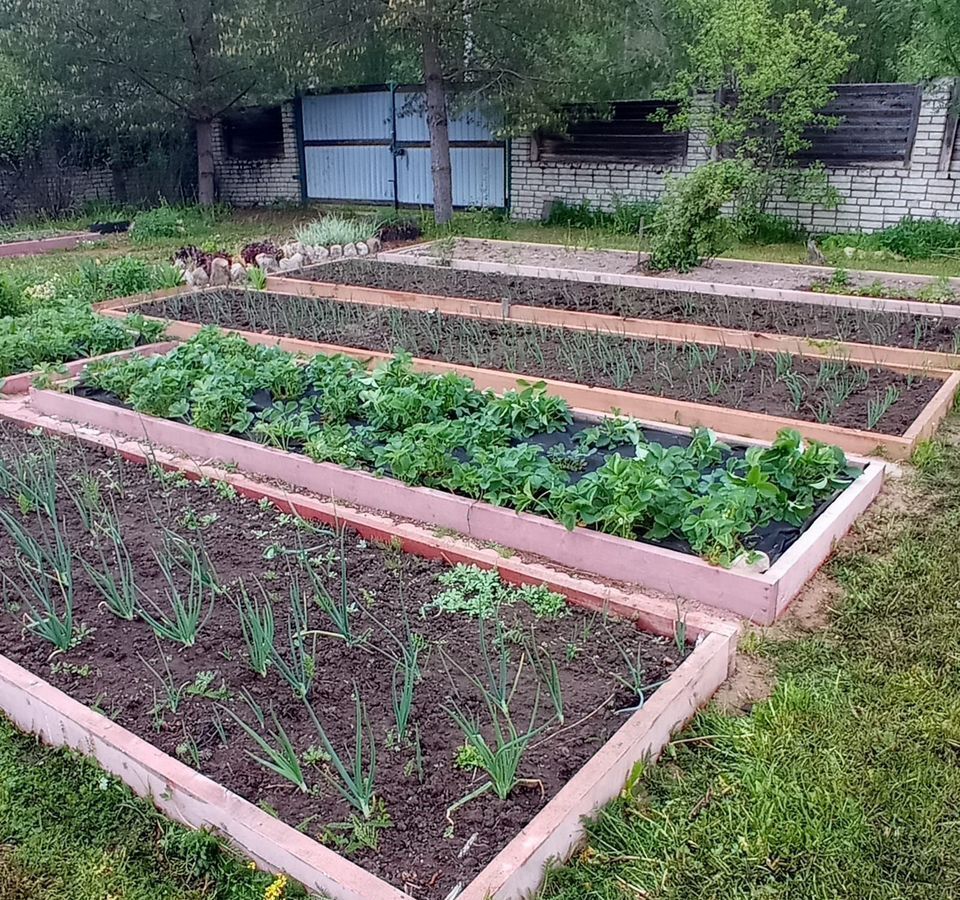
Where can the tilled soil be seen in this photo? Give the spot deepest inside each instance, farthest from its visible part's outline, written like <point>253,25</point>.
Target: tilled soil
<point>746,314</point>
<point>756,382</point>
<point>786,276</point>
<point>109,668</point>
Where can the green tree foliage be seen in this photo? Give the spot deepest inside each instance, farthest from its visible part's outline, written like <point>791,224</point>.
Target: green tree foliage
<point>23,115</point>
<point>931,48</point>
<point>139,61</point>
<point>771,75</point>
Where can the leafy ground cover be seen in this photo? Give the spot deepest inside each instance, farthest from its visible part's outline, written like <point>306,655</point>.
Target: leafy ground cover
<point>62,332</point>
<point>844,783</point>
<point>830,391</point>
<point>440,431</point>
<point>385,704</point>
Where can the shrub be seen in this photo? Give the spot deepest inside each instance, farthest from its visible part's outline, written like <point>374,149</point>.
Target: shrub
<point>161,222</point>
<point>909,238</point>
<point>334,230</point>
<point>128,275</point>
<point>687,226</point>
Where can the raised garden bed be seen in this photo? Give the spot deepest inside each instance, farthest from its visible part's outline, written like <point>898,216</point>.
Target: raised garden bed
<point>732,273</point>
<point>49,338</point>
<point>35,246</point>
<point>495,450</point>
<point>868,322</point>
<point>197,693</point>
<point>826,391</point>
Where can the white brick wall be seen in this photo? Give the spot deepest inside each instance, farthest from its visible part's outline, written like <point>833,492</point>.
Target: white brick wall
<point>872,196</point>
<point>242,182</point>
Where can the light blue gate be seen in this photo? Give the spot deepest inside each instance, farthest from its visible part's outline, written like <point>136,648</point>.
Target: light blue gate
<point>373,146</point>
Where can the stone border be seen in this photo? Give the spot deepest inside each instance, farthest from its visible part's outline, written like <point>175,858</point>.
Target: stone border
<point>760,597</point>
<point>651,282</point>
<point>183,794</point>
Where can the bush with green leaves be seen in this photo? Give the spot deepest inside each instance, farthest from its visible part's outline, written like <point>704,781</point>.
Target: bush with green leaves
<point>65,331</point>
<point>688,226</point>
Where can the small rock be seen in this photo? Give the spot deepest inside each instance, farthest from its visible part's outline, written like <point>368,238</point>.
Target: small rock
<point>320,254</point>
<point>188,277</point>
<point>373,244</point>
<point>849,252</point>
<point>219,271</point>
<point>200,278</point>
<point>289,263</point>
<point>288,249</point>
<point>238,273</point>
<point>362,249</point>
<point>336,251</point>
<point>349,249</point>
<point>267,263</point>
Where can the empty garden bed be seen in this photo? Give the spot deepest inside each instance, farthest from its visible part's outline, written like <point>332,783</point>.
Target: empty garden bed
<point>825,322</point>
<point>266,652</point>
<point>826,391</point>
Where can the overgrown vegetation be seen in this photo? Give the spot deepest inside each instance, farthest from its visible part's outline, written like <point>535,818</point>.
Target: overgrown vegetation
<point>909,239</point>
<point>626,217</point>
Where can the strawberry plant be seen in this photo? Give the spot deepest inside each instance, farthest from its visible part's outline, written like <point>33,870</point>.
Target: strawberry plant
<point>440,431</point>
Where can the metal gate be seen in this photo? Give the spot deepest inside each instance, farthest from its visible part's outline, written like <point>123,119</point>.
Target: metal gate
<point>373,146</point>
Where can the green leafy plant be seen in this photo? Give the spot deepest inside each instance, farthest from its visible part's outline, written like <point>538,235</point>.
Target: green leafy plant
<point>333,229</point>
<point>355,772</point>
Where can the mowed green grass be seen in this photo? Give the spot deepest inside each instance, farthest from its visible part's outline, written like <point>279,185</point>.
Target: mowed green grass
<point>845,783</point>
<point>69,832</point>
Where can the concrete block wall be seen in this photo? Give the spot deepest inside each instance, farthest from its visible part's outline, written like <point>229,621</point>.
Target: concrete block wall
<point>873,196</point>
<point>244,182</point>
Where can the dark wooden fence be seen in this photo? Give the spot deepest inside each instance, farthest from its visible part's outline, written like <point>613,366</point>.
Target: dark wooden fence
<point>877,124</point>
<point>628,135</point>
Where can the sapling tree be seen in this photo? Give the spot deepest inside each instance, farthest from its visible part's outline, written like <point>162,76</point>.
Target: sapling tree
<point>770,76</point>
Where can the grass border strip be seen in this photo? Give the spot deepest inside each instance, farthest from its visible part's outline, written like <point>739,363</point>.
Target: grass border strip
<point>654,282</point>
<point>646,407</point>
<point>755,596</point>
<point>905,359</point>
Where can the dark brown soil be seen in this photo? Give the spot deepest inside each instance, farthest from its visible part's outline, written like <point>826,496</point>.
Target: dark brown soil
<point>821,322</point>
<point>755,382</point>
<point>107,669</point>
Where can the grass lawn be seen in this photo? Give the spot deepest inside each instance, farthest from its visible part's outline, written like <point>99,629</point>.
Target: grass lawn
<point>68,832</point>
<point>845,782</point>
